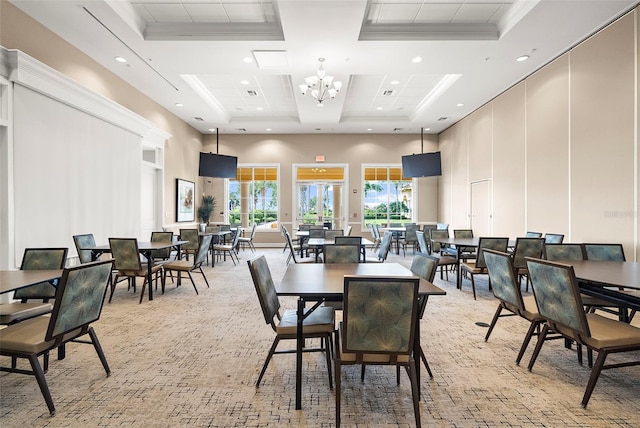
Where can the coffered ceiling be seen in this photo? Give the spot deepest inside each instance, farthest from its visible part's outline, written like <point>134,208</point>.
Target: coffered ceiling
<point>237,65</point>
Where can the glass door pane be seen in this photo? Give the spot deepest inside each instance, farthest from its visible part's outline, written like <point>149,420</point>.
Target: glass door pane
<point>320,203</point>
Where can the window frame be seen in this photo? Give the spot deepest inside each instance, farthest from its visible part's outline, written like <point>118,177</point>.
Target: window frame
<point>252,212</point>
<point>414,192</point>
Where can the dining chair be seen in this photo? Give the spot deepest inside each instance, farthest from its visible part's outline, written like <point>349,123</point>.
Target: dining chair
<point>479,267</point>
<point>331,234</point>
<point>82,242</point>
<point>559,301</point>
<point>505,287</point>
<point>341,253</point>
<point>566,252</point>
<point>442,226</point>
<point>230,249</point>
<point>242,240</point>
<point>410,238</point>
<point>34,259</point>
<point>375,233</point>
<point>604,252</point>
<point>465,253</point>
<point>385,245</point>
<point>293,249</point>
<point>533,235</point>
<point>526,247</point>
<point>445,260</point>
<point>191,247</point>
<point>85,283</point>
<point>348,231</point>
<point>424,266</point>
<point>180,266</point>
<point>126,260</point>
<point>164,255</point>
<point>375,311</point>
<point>553,238</point>
<point>319,323</point>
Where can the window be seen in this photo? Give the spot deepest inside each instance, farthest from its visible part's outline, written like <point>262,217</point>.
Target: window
<point>253,197</point>
<point>387,195</point>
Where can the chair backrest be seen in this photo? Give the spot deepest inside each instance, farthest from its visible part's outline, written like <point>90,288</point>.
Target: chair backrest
<point>316,233</point>
<point>165,253</point>
<point>203,250</point>
<point>225,227</point>
<point>41,259</point>
<point>533,235</point>
<point>265,288</point>
<point>385,245</point>
<point>316,226</point>
<point>497,244</point>
<point>527,247</point>
<point>442,226</point>
<point>438,234</point>
<point>341,253</point>
<point>125,254</point>
<point>503,279</point>
<point>253,231</point>
<point>289,241</point>
<point>558,297</point>
<point>605,252</point>
<point>558,252</point>
<point>236,238</point>
<point>212,229</point>
<point>553,238</point>
<point>190,235</point>
<point>79,298</point>
<point>410,234</point>
<point>84,241</point>
<point>375,232</point>
<point>379,309</point>
<point>422,243</point>
<point>304,227</point>
<point>462,233</point>
<point>424,266</point>
<point>348,231</point>
<point>331,234</point>
<point>348,240</point>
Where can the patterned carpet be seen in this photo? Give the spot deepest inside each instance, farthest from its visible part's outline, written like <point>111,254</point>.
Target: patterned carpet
<point>192,360</point>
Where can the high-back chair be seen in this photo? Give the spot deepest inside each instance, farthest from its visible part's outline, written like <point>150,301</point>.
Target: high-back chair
<point>163,255</point>
<point>191,247</point>
<point>558,297</point>
<point>604,252</point>
<point>362,335</point>
<point>377,239</point>
<point>423,245</point>
<point>410,237</point>
<point>318,324</point>
<point>526,247</point>
<point>553,238</point>
<point>502,274</point>
<point>479,267</point>
<point>339,253</point>
<point>566,252</point>
<point>424,266</point>
<point>126,260</point>
<point>86,283</point>
<point>533,235</point>
<point>34,259</point>
<point>445,261</point>
<point>230,249</point>
<point>187,267</point>
<point>385,245</point>
<point>82,242</point>
<point>242,240</point>
<point>465,253</point>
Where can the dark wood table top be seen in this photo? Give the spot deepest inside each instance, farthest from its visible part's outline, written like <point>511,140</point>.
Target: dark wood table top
<point>467,242</point>
<point>318,242</point>
<point>317,280</point>
<point>11,280</point>
<point>618,274</point>
<point>142,246</point>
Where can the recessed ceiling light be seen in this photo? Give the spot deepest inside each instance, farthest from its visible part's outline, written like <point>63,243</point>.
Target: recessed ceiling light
<point>179,104</point>
<point>378,108</point>
<point>427,129</point>
<point>244,82</point>
<point>395,82</point>
<point>319,105</point>
<point>268,129</point>
<point>259,108</point>
<point>120,59</point>
<point>522,58</point>
<point>417,59</point>
<point>369,129</point>
<point>459,105</point>
<point>212,129</point>
<point>247,59</point>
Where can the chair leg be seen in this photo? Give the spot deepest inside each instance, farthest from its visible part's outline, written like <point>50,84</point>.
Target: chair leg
<point>525,343</point>
<point>205,277</point>
<point>99,351</point>
<point>493,322</point>
<point>473,286</point>
<point>338,372</point>
<point>414,390</point>
<point>192,282</point>
<point>42,382</point>
<point>593,379</point>
<point>327,344</point>
<point>536,351</point>
<point>144,284</point>
<point>426,364</point>
<point>266,362</point>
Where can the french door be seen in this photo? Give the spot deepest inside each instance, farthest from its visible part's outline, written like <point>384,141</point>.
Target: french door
<point>321,200</point>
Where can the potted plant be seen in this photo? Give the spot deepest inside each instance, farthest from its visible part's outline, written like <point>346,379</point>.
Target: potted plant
<point>206,209</point>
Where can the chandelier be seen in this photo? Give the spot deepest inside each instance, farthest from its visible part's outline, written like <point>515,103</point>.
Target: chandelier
<point>321,87</point>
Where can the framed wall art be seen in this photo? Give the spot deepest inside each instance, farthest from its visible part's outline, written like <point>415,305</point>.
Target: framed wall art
<point>185,209</point>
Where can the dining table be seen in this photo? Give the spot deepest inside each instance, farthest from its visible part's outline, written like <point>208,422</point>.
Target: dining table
<point>11,280</point>
<point>319,282</point>
<point>397,232</point>
<point>460,244</point>
<point>321,242</point>
<point>145,248</point>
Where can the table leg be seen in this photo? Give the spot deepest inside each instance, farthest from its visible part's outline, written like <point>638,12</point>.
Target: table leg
<point>458,273</point>
<point>299,346</point>
<point>149,256</point>
<point>416,352</point>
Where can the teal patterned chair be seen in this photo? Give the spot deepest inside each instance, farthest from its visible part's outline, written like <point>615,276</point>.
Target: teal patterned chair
<point>446,260</point>
<point>526,247</point>
<point>318,324</point>
<point>163,255</point>
<point>563,252</point>
<point>34,259</point>
<point>533,235</point>
<point>191,247</point>
<point>409,238</point>
<point>424,266</point>
<point>339,253</point>
<point>78,303</point>
<point>84,241</point>
<point>553,238</point>
<point>375,234</point>
<point>558,297</point>
<point>479,267</point>
<point>180,266</point>
<point>502,274</point>
<point>126,260</point>
<point>604,252</point>
<point>242,240</point>
<point>385,246</point>
<point>466,253</point>
<point>378,328</point>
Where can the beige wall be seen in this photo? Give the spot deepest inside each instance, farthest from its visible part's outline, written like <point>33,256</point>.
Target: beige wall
<point>559,148</point>
<point>351,149</point>
<point>19,31</point>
